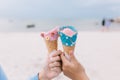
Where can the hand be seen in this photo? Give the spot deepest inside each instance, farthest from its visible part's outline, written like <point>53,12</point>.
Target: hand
<point>72,68</point>
<point>53,66</point>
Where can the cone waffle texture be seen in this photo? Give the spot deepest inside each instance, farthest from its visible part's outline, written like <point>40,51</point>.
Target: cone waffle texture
<point>51,45</point>
<point>67,49</point>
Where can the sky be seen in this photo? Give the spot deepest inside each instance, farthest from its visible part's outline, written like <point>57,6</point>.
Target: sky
<point>59,9</point>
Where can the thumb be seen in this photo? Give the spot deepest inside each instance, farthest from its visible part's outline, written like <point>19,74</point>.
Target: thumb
<point>64,59</point>
<point>72,56</point>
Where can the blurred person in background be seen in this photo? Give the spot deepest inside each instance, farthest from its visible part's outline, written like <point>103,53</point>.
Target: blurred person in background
<point>106,24</point>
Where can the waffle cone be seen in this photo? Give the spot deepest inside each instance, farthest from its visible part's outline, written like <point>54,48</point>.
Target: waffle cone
<point>51,45</point>
<point>67,49</point>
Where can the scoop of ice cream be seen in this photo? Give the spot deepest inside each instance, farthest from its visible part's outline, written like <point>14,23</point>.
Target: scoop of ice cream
<point>68,32</point>
<point>50,35</point>
<point>68,35</point>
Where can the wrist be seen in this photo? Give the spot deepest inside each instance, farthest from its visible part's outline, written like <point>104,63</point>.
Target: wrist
<point>43,76</point>
<point>81,76</point>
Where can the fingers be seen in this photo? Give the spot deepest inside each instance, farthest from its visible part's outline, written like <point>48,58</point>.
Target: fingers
<point>55,53</point>
<point>64,59</point>
<point>55,59</point>
<point>72,57</point>
<point>54,56</point>
<point>55,64</point>
<point>57,69</point>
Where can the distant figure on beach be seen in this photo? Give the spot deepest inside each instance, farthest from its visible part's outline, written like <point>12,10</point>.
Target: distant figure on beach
<point>103,22</point>
<point>106,24</point>
<point>30,25</point>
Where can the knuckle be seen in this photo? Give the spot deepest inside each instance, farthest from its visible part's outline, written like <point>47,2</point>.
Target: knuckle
<point>49,65</point>
<point>58,64</point>
<point>58,57</point>
<point>59,51</point>
<point>63,68</point>
<point>65,65</point>
<point>64,72</point>
<point>55,63</point>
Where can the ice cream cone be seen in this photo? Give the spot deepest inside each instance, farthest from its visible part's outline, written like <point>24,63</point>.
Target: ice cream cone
<point>67,49</point>
<point>68,35</point>
<point>51,45</point>
<point>51,38</point>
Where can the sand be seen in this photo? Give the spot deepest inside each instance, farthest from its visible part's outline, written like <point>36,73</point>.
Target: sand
<point>23,54</point>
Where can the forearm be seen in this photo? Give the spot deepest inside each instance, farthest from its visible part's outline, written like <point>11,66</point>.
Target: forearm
<point>84,76</point>
<point>42,76</point>
<point>81,76</point>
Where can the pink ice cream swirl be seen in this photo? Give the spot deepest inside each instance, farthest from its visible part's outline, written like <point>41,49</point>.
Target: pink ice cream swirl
<point>68,32</point>
<point>50,35</point>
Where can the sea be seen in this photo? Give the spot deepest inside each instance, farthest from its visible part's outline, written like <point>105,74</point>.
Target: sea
<point>35,25</point>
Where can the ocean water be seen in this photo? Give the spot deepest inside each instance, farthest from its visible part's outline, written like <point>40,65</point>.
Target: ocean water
<point>13,25</point>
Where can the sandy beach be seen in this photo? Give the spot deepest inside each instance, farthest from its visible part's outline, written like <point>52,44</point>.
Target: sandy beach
<point>22,54</point>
